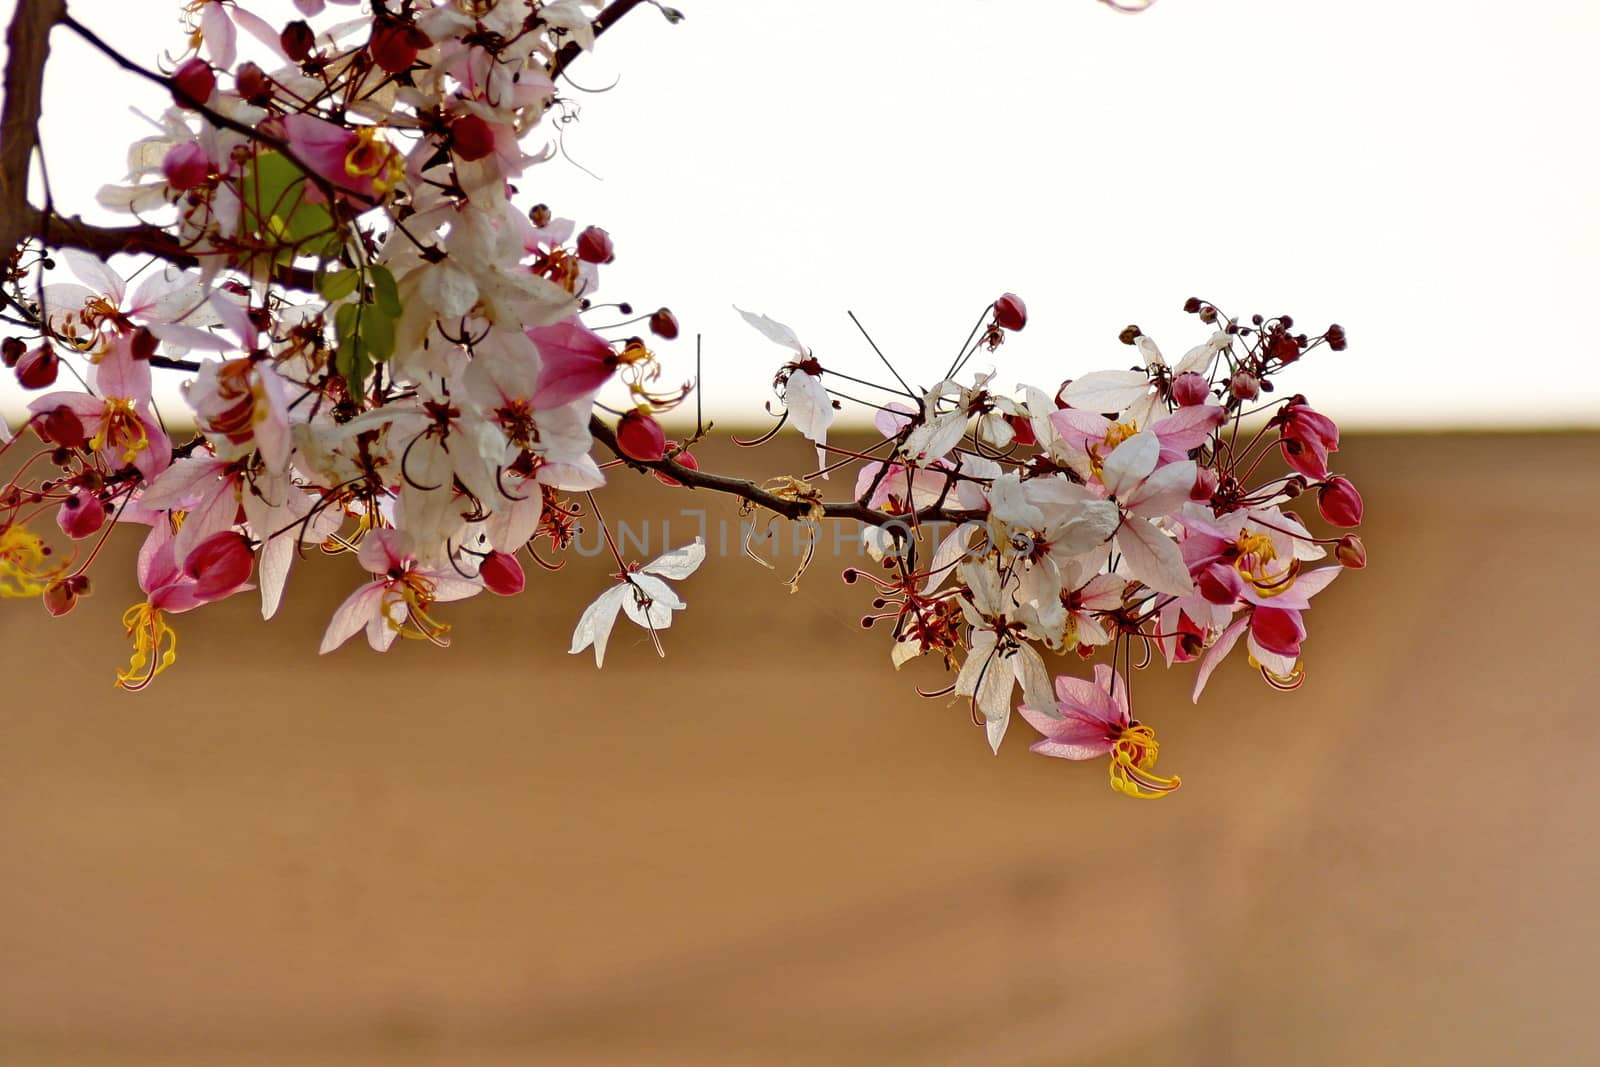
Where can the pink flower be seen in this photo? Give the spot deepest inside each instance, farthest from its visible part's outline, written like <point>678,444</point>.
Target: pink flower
<point>1091,719</point>
<point>168,591</point>
<point>121,425</point>
<point>574,362</point>
<point>354,160</point>
<point>397,600</point>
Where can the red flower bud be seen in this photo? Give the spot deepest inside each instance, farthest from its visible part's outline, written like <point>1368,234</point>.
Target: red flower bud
<point>81,515</point>
<point>639,437</point>
<point>61,427</point>
<point>253,83</point>
<point>471,138</point>
<point>664,324</point>
<point>1205,485</point>
<point>38,368</point>
<point>220,564</point>
<point>11,350</point>
<point>185,165</point>
<point>1244,386</point>
<point>594,246</point>
<point>1339,502</point>
<point>297,40</point>
<point>1278,630</point>
<point>59,598</point>
<point>502,574</point>
<point>1190,389</point>
<point>394,46</point>
<point>1351,552</point>
<point>1010,312</point>
<point>684,459</point>
<point>193,82</point>
<point>1220,584</point>
<point>1283,348</point>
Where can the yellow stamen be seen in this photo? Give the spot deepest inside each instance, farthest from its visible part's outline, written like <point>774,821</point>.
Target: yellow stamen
<point>1132,757</point>
<point>371,158</point>
<point>26,568</point>
<point>416,592</point>
<point>1255,552</point>
<point>155,646</point>
<point>1119,432</point>
<point>121,428</point>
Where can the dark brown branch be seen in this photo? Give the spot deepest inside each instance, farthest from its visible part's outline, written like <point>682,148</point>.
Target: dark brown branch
<point>142,239</point>
<point>29,42</point>
<point>602,22</point>
<point>788,507</point>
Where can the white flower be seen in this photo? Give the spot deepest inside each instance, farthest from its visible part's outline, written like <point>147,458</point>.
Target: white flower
<point>643,596</point>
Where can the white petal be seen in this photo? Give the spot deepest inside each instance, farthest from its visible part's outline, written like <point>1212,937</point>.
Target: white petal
<point>774,331</point>
<point>1106,390</point>
<point>594,626</point>
<point>679,563</point>
<point>1153,558</point>
<point>1130,463</point>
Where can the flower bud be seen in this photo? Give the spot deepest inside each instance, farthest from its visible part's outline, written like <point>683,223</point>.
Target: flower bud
<point>1208,314</point>
<point>1351,552</point>
<point>502,575</point>
<point>1244,386</point>
<point>1191,305</point>
<point>38,368</point>
<point>471,138</point>
<point>1205,485</point>
<point>61,427</point>
<point>220,564</point>
<point>683,458</point>
<point>664,324</point>
<point>594,246</point>
<point>1282,347</point>
<point>1190,389</point>
<point>253,84</point>
<point>394,46</point>
<point>11,350</point>
<point>81,515</point>
<point>640,437</point>
<point>540,215</point>
<point>193,82</point>
<point>1278,630</point>
<point>1010,312</point>
<point>1336,338</point>
<point>59,598</point>
<point>1219,584</point>
<point>185,166</point>
<point>1339,502</point>
<point>297,40</point>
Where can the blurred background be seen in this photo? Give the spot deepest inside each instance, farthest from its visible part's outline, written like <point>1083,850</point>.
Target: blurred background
<point>766,849</point>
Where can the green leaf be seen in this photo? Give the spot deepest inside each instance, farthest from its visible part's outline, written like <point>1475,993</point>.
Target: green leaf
<point>337,285</point>
<point>384,288</point>
<point>275,211</point>
<point>352,360</point>
<point>377,333</point>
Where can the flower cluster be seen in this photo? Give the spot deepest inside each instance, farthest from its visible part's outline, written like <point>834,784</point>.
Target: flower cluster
<point>386,355</point>
<point>1135,511</point>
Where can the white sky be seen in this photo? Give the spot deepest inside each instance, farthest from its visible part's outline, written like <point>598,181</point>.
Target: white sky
<point>1422,172</point>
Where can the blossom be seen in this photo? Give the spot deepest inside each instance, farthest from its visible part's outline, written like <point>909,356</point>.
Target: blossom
<point>1087,720</point>
<point>807,403</point>
<point>120,422</point>
<point>643,595</point>
<point>999,657</point>
<point>169,590</point>
<point>398,599</point>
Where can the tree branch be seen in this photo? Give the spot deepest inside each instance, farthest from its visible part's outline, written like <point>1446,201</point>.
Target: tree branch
<point>602,22</point>
<point>788,507</point>
<point>29,42</point>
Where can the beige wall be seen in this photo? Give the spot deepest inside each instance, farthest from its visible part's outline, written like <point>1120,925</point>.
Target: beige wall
<point>767,850</point>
